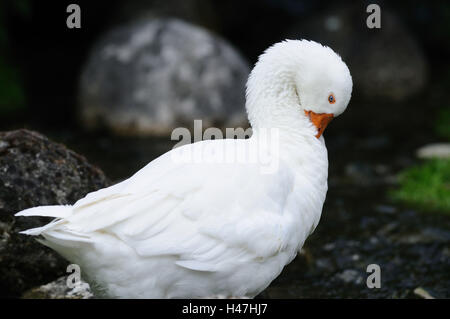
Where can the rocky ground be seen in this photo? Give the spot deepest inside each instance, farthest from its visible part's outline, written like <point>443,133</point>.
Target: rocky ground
<point>360,226</point>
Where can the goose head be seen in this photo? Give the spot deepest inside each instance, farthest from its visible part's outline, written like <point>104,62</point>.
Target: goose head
<point>298,85</point>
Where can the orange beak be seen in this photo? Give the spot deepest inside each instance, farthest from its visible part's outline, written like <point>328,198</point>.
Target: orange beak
<point>320,121</point>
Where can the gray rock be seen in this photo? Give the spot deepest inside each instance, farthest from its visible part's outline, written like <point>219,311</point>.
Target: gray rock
<point>436,150</point>
<point>35,171</point>
<point>153,75</point>
<point>385,62</point>
<point>59,289</point>
<point>350,276</point>
<point>385,209</point>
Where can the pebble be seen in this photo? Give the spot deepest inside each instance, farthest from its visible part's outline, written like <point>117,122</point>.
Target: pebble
<point>436,150</point>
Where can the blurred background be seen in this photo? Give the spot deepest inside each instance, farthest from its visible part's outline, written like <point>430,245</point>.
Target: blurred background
<point>114,89</point>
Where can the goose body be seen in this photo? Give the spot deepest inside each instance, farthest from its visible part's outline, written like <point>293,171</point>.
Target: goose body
<point>191,224</point>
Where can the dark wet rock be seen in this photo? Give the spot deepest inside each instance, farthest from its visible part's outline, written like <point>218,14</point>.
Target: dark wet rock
<point>424,235</point>
<point>366,175</point>
<point>59,289</point>
<point>385,62</point>
<point>35,171</point>
<point>360,172</point>
<point>151,76</point>
<point>385,209</point>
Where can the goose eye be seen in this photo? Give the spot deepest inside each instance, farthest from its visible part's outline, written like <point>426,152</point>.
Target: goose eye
<point>331,99</point>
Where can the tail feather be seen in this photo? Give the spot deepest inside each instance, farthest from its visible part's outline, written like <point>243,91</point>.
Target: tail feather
<point>59,211</point>
<point>55,231</point>
<point>39,230</point>
<point>58,234</point>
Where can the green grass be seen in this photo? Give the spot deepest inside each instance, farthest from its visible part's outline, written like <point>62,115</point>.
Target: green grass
<point>426,186</point>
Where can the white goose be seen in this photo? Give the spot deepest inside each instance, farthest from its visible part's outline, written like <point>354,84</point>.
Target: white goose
<point>188,229</point>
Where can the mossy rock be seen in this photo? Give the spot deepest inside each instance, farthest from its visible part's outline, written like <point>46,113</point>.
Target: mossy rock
<point>426,185</point>
<point>35,171</point>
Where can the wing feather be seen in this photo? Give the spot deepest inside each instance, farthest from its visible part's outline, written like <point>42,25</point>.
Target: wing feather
<point>206,215</point>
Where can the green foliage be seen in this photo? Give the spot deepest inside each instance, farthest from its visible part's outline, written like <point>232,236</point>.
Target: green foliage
<point>443,123</point>
<point>426,185</point>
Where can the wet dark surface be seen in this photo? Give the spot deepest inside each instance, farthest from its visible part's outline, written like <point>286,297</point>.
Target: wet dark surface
<point>360,225</point>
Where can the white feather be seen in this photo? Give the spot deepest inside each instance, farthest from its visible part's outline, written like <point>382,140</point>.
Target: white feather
<point>47,211</point>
